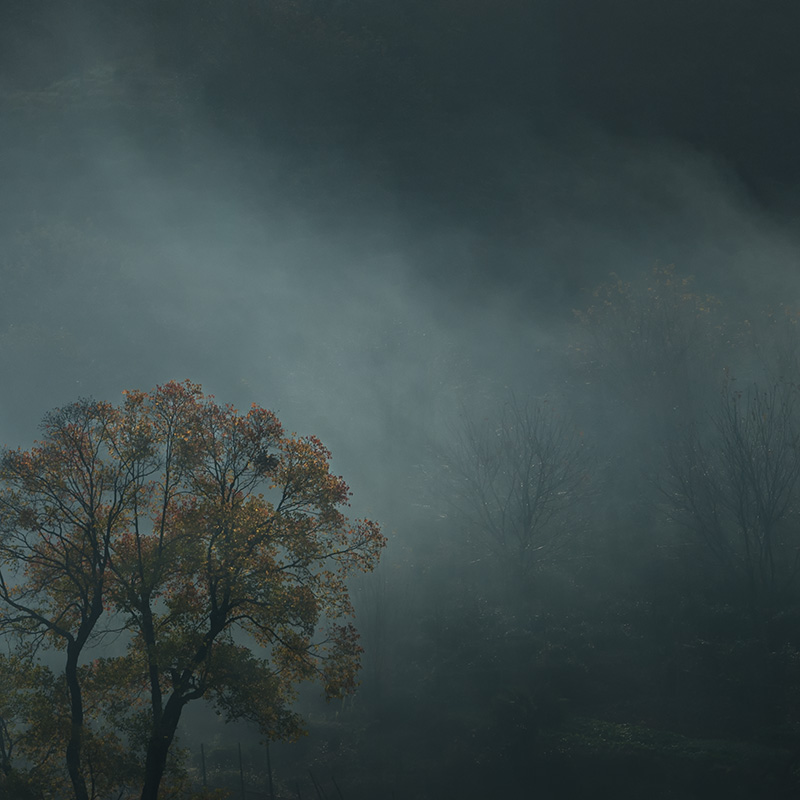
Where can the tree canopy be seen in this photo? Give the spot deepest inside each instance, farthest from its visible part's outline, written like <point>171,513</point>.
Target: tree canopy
<point>212,540</point>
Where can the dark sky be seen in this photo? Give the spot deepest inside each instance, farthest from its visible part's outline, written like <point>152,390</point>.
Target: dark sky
<point>364,233</point>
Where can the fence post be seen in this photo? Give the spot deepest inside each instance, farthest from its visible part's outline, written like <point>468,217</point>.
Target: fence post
<point>269,774</point>
<point>241,771</point>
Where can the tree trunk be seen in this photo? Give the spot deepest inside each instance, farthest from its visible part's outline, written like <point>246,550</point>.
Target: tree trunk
<point>161,737</point>
<point>73,752</point>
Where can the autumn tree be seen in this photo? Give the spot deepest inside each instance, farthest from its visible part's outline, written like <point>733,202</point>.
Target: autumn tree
<point>513,481</point>
<point>215,540</point>
<point>62,505</point>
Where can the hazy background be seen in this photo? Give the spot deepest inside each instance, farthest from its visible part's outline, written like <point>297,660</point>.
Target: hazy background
<point>366,215</point>
<point>359,266</point>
